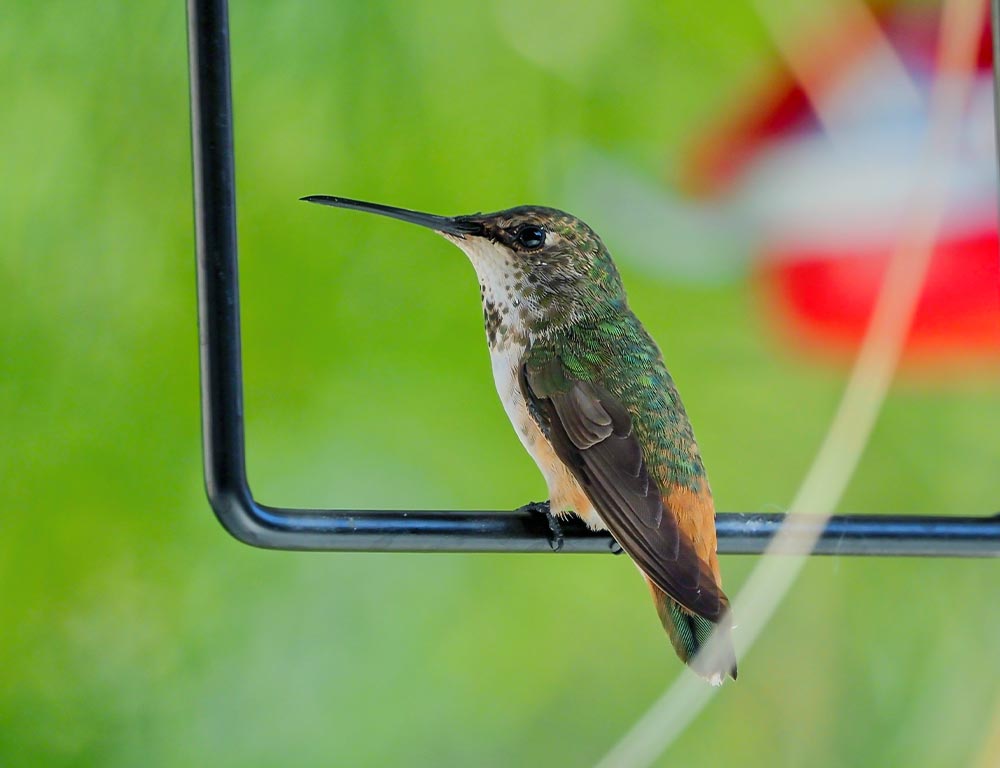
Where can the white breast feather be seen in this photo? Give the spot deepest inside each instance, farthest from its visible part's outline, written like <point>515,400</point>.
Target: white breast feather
<point>499,287</point>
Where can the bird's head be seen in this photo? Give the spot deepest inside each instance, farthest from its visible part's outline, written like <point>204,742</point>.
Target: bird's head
<point>539,267</point>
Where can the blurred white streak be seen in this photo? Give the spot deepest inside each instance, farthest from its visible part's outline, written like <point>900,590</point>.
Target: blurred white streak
<point>813,66</point>
<point>988,755</point>
<point>867,387</point>
<point>707,243</point>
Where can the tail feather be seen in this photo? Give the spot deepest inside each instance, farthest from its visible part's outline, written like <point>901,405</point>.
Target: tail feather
<point>689,633</point>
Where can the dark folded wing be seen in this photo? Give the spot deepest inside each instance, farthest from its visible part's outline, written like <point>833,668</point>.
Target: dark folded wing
<point>591,431</point>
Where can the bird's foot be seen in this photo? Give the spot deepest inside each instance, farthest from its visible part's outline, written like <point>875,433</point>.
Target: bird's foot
<point>616,548</point>
<point>542,509</point>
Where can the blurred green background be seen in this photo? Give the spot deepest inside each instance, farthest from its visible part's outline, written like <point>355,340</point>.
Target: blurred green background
<point>134,631</point>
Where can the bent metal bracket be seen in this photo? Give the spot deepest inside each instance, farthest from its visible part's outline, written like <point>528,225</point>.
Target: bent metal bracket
<point>416,530</point>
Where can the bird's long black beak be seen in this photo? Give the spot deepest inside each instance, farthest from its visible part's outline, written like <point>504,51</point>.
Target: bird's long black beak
<point>452,225</point>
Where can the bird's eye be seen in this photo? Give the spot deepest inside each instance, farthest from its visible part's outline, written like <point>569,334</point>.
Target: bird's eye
<point>530,236</point>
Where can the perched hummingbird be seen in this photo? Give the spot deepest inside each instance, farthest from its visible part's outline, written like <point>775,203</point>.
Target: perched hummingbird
<point>591,400</point>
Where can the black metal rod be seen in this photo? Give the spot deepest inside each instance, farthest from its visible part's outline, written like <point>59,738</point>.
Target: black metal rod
<point>417,531</point>
<point>218,275</point>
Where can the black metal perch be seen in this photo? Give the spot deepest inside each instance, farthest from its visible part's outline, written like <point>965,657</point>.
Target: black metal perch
<point>423,531</point>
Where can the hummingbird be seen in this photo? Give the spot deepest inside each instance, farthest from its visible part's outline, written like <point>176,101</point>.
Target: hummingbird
<point>590,398</point>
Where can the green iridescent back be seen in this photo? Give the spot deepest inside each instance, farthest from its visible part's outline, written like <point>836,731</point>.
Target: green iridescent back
<point>613,349</point>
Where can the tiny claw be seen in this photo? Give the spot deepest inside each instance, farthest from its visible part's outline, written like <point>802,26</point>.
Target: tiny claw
<point>556,540</point>
<point>616,548</point>
<point>541,508</point>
